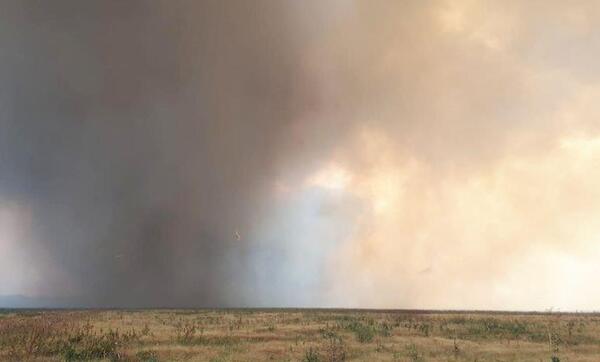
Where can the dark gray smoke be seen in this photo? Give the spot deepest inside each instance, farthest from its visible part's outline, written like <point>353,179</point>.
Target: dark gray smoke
<point>299,153</point>
<point>142,136</point>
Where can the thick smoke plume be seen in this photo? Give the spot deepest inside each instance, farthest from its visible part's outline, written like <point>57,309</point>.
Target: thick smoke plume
<point>140,136</point>
<point>282,153</point>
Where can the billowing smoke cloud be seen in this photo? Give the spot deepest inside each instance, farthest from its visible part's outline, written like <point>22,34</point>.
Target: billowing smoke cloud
<point>272,153</point>
<point>141,137</point>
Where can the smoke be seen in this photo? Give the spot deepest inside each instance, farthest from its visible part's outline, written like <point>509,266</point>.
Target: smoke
<point>140,137</point>
<point>275,153</point>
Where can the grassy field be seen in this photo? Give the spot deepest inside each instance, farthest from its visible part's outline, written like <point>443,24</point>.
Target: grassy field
<point>296,335</point>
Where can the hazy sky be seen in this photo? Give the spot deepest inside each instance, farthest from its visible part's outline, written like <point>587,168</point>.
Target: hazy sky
<point>396,154</point>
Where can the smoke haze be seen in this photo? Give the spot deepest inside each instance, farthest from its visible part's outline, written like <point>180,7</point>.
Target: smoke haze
<point>419,154</point>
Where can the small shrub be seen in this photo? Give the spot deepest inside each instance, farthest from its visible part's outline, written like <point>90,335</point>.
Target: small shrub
<point>363,333</point>
<point>385,330</point>
<point>413,353</point>
<point>186,332</point>
<point>85,345</point>
<point>456,349</point>
<point>147,356</point>
<point>424,329</point>
<point>334,348</point>
<point>311,355</point>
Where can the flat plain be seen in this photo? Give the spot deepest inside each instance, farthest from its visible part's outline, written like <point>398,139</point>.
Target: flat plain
<point>296,335</point>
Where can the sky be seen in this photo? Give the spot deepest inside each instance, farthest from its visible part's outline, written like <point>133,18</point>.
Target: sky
<point>359,154</point>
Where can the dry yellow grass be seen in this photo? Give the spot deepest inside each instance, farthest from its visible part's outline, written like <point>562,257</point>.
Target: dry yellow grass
<point>296,335</point>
